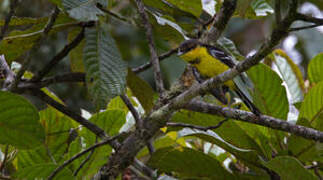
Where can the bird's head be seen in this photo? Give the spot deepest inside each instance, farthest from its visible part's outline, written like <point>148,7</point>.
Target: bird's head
<point>187,46</point>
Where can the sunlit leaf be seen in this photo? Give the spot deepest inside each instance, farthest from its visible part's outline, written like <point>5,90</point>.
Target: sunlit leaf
<point>76,55</point>
<point>315,73</point>
<point>291,74</point>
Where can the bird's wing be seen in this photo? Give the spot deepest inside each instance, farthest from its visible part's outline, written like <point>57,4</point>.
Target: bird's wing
<point>221,55</point>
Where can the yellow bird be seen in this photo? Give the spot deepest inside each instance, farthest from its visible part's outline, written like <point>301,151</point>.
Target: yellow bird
<point>211,61</point>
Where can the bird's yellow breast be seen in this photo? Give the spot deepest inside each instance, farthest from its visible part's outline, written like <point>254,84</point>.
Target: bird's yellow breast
<point>207,65</point>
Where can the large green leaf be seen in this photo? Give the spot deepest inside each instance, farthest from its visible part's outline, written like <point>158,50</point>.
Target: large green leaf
<point>142,90</point>
<point>188,163</point>
<point>84,10</point>
<point>312,107</point>
<point>315,73</point>
<point>229,131</point>
<point>249,156</point>
<point>42,171</point>
<point>269,96</point>
<point>253,9</point>
<point>192,6</point>
<point>289,168</point>
<point>105,70</point>
<point>19,118</point>
<point>291,75</point>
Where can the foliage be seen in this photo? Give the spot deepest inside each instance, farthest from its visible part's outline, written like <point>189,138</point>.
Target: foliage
<point>35,139</point>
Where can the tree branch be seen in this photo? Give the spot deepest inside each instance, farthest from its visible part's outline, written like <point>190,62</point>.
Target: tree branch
<point>153,53</point>
<point>306,18</point>
<point>67,77</point>
<point>263,120</point>
<point>103,142</point>
<point>133,111</point>
<point>221,20</point>
<point>304,27</point>
<point>160,58</point>
<point>6,71</point>
<point>13,5</point>
<point>87,124</point>
<point>58,57</point>
<point>117,16</point>
<point>4,161</point>
<point>278,15</point>
<point>202,128</point>
<point>158,118</point>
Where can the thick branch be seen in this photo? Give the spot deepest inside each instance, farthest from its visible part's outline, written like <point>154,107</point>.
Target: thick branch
<point>152,46</point>
<point>158,119</point>
<point>262,120</point>
<point>13,5</point>
<point>221,20</point>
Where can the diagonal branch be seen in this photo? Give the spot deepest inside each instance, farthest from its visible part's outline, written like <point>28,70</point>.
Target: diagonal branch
<point>132,109</point>
<point>58,57</point>
<point>263,120</point>
<point>13,5</point>
<point>221,20</point>
<point>87,124</point>
<point>103,142</point>
<point>153,52</point>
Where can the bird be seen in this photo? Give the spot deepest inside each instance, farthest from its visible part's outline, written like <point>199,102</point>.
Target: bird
<point>209,61</point>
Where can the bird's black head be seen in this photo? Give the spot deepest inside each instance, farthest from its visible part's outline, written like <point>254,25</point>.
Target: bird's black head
<point>187,46</point>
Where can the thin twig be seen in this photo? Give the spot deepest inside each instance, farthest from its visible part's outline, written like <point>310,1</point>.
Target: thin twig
<point>306,18</point>
<point>13,5</point>
<point>58,57</point>
<point>83,163</point>
<point>304,27</point>
<point>103,142</point>
<point>278,15</point>
<point>117,16</point>
<point>161,57</point>
<point>150,146</point>
<point>67,77</point>
<point>263,120</point>
<point>27,60</point>
<point>202,128</point>
<point>132,109</point>
<point>51,21</point>
<point>4,161</point>
<point>65,110</point>
<point>153,53</point>
<point>5,177</point>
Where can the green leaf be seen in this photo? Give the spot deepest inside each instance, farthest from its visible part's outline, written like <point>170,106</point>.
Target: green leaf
<point>289,168</point>
<point>312,107</point>
<point>19,118</point>
<point>249,156</point>
<point>229,131</point>
<point>76,55</point>
<point>192,6</point>
<point>142,90</point>
<point>105,70</point>
<point>291,74</point>
<point>269,96</point>
<point>315,67</point>
<point>261,8</point>
<point>188,163</point>
<point>57,2</point>
<point>230,47</point>
<point>42,171</point>
<point>84,10</point>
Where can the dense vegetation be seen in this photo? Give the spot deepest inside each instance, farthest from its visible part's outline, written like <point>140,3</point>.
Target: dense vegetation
<point>95,89</point>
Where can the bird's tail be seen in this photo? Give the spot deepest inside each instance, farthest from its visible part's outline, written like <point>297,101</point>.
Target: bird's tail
<point>248,102</point>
